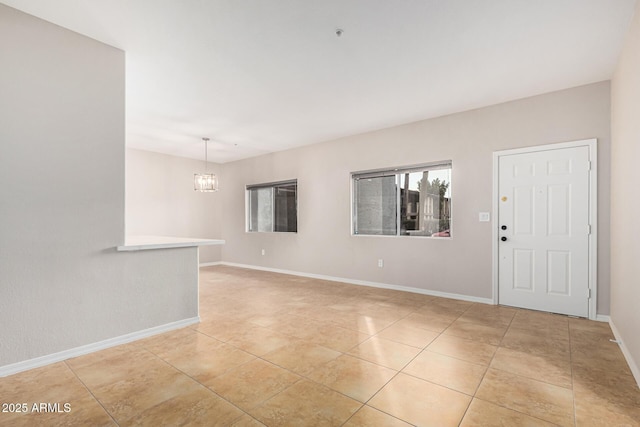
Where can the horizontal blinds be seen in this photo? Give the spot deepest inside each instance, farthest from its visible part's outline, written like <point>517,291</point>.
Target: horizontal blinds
<point>378,173</point>
<point>272,184</point>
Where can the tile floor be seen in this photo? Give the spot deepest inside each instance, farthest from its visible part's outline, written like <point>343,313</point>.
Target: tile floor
<point>280,350</point>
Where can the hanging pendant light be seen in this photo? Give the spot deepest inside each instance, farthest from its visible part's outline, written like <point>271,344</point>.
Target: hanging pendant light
<point>205,182</point>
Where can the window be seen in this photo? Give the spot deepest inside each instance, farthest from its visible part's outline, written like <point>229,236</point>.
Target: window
<point>273,207</point>
<point>408,201</point>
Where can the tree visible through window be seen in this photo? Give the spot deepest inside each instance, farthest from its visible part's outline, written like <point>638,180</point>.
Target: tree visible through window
<point>411,201</point>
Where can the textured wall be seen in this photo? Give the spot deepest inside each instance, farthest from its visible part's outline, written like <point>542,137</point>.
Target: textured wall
<point>62,284</point>
<point>462,265</point>
<point>625,194</point>
<point>160,200</point>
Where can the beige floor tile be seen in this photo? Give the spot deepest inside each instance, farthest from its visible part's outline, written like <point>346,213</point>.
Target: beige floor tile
<point>121,352</point>
<point>115,368</point>
<point>489,315</point>
<point>336,337</point>
<point>446,371</point>
<point>387,312</point>
<point>583,338</point>
<point>618,405</point>
<point>207,360</point>
<point>106,354</point>
<point>370,417</point>
<point>545,346</point>
<point>252,383</point>
<point>246,421</point>
<point>129,397</point>
<point>191,342</point>
<point>367,324</point>
<point>197,406</point>
<point>259,340</point>
<point>386,353</point>
<point>168,340</point>
<point>486,334</point>
<point>84,411</point>
<point>297,326</point>
<point>544,332</point>
<point>448,304</point>
<point>535,398</point>
<point>312,312</point>
<point>591,326</point>
<point>222,328</point>
<point>409,335</point>
<point>429,321</point>
<point>420,402</point>
<point>267,320</point>
<point>541,324</point>
<point>353,377</point>
<point>301,356</point>
<point>609,385</point>
<point>595,355</point>
<point>47,384</point>
<point>602,376</point>
<point>553,370</point>
<point>485,414</point>
<point>306,404</point>
<point>417,300</point>
<point>477,319</point>
<point>243,312</point>
<point>464,349</point>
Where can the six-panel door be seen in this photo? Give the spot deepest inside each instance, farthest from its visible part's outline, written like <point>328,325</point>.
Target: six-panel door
<point>543,221</point>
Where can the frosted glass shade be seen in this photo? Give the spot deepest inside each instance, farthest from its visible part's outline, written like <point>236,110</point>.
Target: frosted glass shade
<point>205,182</point>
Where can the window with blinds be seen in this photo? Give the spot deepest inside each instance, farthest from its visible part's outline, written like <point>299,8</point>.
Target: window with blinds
<point>272,207</point>
<point>405,201</point>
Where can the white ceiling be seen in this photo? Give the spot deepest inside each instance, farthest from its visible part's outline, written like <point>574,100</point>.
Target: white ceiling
<point>259,76</point>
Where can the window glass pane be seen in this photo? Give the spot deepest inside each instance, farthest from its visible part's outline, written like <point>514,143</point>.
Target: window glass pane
<point>272,207</point>
<point>410,207</point>
<point>261,209</point>
<point>422,207</point>
<point>286,215</point>
<point>425,203</point>
<point>376,206</point>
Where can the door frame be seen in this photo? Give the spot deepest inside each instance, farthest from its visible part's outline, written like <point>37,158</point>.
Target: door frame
<point>592,144</point>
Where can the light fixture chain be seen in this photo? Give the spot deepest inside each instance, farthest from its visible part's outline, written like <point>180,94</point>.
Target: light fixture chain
<point>206,154</point>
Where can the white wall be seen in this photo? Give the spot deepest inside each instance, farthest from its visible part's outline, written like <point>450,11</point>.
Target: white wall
<point>160,199</point>
<point>462,265</point>
<point>62,284</point>
<point>625,196</point>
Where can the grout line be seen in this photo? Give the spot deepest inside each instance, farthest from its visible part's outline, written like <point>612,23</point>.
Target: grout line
<point>573,389</point>
<point>199,383</point>
<point>91,392</point>
<point>487,368</point>
<point>515,410</point>
<point>397,372</point>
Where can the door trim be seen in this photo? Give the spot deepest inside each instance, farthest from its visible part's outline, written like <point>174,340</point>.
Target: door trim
<point>592,144</point>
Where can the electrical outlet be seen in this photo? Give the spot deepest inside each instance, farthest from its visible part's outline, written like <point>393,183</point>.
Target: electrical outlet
<point>484,217</point>
<point>263,252</point>
<point>380,263</point>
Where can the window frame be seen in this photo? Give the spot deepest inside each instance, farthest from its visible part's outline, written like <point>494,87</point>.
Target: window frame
<point>397,172</point>
<point>273,186</point>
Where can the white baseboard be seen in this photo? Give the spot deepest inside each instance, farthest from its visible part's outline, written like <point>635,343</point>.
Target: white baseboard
<point>627,355</point>
<point>209,264</point>
<point>364,283</point>
<point>603,318</point>
<point>90,348</point>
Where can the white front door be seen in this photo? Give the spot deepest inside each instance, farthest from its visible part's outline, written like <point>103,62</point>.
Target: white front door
<point>543,222</point>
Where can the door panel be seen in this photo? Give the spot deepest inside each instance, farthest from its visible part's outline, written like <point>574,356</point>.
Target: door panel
<point>544,203</point>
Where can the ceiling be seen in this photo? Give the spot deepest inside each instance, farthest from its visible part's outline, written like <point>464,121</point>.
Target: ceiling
<point>260,76</point>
